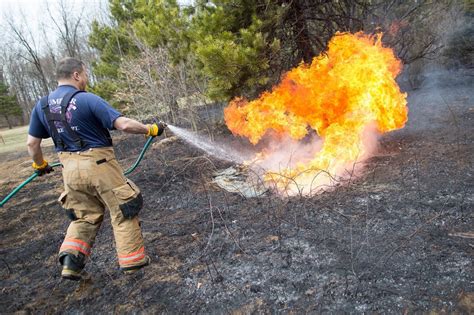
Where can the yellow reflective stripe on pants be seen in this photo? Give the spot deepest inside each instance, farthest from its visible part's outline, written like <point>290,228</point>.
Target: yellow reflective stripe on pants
<point>76,245</point>
<point>127,260</point>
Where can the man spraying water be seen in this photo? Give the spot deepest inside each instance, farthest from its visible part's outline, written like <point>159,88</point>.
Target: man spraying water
<point>79,124</point>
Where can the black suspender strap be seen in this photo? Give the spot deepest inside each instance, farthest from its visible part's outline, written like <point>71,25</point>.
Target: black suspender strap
<point>64,104</point>
<point>52,117</point>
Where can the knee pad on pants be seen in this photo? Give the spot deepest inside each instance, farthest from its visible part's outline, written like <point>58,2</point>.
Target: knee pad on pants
<point>129,198</point>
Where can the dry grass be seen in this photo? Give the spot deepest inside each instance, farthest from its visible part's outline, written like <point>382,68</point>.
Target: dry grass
<point>14,140</point>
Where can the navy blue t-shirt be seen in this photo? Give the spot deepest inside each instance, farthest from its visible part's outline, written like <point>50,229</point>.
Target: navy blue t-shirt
<point>89,116</point>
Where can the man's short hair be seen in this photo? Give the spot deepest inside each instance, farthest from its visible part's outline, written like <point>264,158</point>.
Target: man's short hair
<point>67,66</point>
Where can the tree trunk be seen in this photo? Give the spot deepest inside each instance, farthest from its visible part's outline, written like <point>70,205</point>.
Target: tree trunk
<point>301,33</point>
<point>10,126</point>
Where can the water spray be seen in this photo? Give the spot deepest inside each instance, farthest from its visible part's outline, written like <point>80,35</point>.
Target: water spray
<point>218,150</point>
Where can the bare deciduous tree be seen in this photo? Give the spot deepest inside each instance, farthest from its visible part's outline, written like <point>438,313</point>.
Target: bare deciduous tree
<point>68,26</point>
<point>156,85</point>
<point>25,39</point>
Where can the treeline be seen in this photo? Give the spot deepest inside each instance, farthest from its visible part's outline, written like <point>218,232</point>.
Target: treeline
<point>31,48</point>
<point>160,56</point>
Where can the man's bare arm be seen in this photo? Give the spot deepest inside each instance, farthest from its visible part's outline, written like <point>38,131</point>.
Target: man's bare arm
<point>34,149</point>
<point>130,126</point>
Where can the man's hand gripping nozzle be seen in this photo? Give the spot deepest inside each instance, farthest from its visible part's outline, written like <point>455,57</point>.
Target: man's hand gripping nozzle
<point>156,129</point>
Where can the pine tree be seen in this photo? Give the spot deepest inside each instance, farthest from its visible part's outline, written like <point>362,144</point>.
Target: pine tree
<point>232,47</point>
<point>9,106</point>
<point>114,43</point>
<point>225,41</point>
<point>242,47</point>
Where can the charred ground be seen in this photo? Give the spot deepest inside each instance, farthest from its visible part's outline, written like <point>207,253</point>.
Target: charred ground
<point>399,238</point>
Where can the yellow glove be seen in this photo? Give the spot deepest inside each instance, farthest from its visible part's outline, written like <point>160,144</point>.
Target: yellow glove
<point>42,169</point>
<point>156,129</point>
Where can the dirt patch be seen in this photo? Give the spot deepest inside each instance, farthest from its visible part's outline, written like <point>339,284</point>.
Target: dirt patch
<point>395,240</point>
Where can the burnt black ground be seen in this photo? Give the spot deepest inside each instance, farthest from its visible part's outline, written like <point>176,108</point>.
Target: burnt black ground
<point>389,242</point>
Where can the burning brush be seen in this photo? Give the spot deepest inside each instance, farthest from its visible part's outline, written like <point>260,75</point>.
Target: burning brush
<point>323,118</point>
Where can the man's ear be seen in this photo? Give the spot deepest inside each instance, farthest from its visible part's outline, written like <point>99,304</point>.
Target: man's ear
<point>76,76</point>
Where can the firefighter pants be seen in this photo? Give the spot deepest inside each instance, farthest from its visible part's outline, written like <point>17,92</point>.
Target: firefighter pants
<point>93,181</point>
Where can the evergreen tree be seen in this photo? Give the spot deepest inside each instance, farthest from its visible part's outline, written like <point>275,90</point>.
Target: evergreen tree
<point>224,40</point>
<point>232,46</point>
<point>242,47</point>
<point>164,24</point>
<point>114,43</point>
<point>156,24</point>
<point>8,105</point>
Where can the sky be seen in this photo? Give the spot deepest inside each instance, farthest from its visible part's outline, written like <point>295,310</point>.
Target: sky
<point>31,17</point>
<point>33,9</point>
<point>28,15</point>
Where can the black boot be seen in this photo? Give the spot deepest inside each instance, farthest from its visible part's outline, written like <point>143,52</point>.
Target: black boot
<point>72,266</point>
<point>133,269</point>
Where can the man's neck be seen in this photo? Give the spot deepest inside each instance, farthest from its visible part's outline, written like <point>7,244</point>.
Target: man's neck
<point>69,82</point>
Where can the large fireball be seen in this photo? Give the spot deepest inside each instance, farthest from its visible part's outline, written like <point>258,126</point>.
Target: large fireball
<point>345,95</point>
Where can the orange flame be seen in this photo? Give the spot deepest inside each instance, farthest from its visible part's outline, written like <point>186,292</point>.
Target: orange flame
<point>340,96</point>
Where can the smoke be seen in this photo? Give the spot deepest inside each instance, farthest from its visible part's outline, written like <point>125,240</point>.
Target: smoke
<point>287,152</point>
<point>452,63</point>
<point>436,84</point>
<point>282,154</point>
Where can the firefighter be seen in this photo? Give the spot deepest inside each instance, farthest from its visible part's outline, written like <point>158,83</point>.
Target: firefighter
<point>79,123</point>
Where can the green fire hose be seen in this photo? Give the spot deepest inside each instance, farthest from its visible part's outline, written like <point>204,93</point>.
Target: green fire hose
<point>34,175</point>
